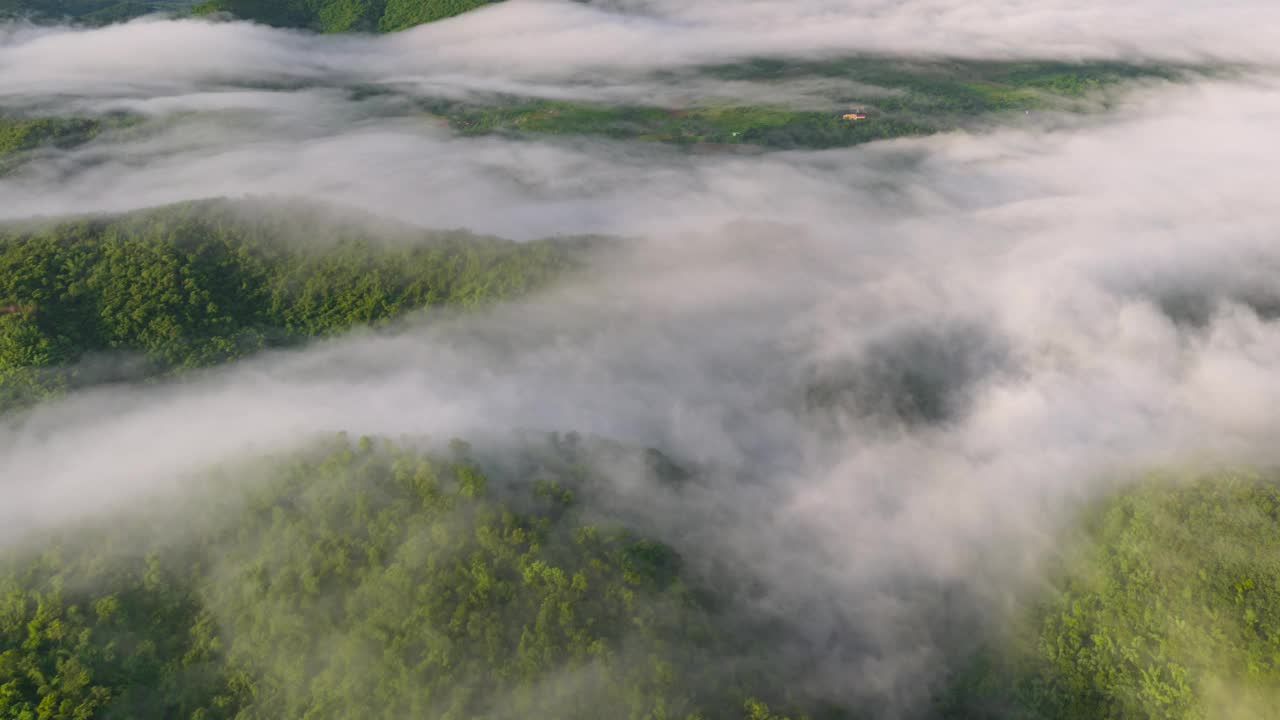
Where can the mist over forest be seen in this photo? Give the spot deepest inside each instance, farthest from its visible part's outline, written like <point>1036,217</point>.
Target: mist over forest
<point>560,359</point>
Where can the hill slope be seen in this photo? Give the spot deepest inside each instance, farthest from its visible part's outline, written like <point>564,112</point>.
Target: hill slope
<point>1167,607</point>
<point>342,15</point>
<point>367,581</point>
<point>320,15</point>
<point>93,12</point>
<point>202,283</point>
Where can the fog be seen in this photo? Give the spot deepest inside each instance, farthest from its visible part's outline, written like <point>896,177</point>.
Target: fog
<point>556,39</point>
<point>552,34</point>
<point>559,47</point>
<point>759,275</point>
<point>1082,298</point>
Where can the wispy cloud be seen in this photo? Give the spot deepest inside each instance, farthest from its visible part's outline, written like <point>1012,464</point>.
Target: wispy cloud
<point>995,322</point>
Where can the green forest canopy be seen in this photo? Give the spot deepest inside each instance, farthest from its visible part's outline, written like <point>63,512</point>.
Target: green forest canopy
<point>197,284</point>
<point>342,15</point>
<point>370,579</point>
<point>21,135</point>
<point>374,581</point>
<point>91,12</point>
<point>925,98</point>
<point>915,98</point>
<point>319,15</point>
<point>1166,608</point>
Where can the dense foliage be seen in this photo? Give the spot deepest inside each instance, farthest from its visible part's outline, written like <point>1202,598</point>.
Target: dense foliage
<point>1170,611</point>
<point>342,15</point>
<point>320,15</point>
<point>21,135</point>
<point>93,12</point>
<point>914,99</point>
<point>401,14</point>
<point>965,85</point>
<point>201,283</point>
<point>368,581</point>
<point>772,128</point>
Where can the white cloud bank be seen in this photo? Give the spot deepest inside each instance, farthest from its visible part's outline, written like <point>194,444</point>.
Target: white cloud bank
<point>560,40</point>
<point>1029,276</point>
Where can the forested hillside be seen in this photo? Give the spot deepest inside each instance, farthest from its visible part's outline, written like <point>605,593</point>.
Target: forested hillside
<point>369,580</point>
<point>92,12</point>
<point>202,283</point>
<point>1165,606</point>
<point>19,136</point>
<point>639,360</point>
<point>319,15</point>
<point>901,100</point>
<point>896,99</point>
<point>342,15</point>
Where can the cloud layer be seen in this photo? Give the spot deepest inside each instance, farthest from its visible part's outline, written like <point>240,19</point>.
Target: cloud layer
<point>1028,279</point>
<point>558,41</point>
<point>900,363</point>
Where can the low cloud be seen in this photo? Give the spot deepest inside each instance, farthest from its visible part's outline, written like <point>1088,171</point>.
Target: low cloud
<point>1020,277</point>
<point>754,279</point>
<point>567,48</point>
